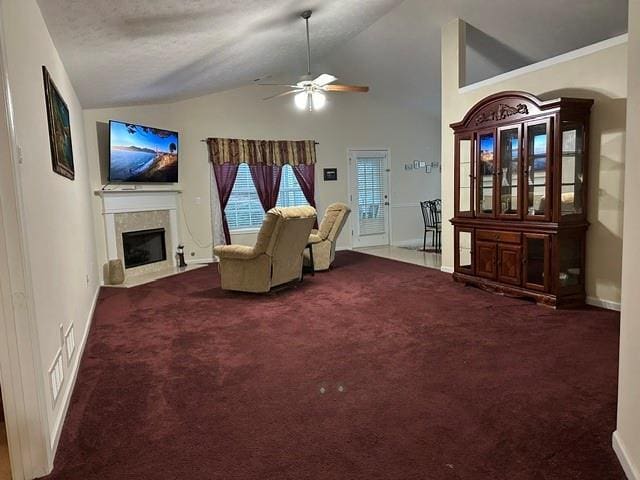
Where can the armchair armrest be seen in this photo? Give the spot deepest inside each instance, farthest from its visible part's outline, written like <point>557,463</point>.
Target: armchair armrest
<point>238,252</point>
<point>314,238</point>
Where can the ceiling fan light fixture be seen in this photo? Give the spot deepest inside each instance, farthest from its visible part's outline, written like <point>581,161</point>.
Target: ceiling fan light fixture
<point>301,100</point>
<point>319,100</point>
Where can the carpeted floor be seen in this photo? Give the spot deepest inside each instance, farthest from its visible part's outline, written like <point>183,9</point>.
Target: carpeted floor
<point>374,370</point>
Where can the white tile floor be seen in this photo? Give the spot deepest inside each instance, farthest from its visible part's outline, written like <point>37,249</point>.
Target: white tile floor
<point>408,255</point>
<point>5,469</point>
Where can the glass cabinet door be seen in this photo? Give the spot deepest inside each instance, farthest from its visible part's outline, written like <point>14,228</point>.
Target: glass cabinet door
<point>570,261</point>
<point>463,253</point>
<point>572,169</point>
<point>509,171</point>
<point>537,171</point>
<point>464,176</point>
<point>486,149</point>
<point>536,261</point>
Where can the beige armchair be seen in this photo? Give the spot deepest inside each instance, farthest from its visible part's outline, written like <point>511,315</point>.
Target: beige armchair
<point>324,239</point>
<point>275,259</point>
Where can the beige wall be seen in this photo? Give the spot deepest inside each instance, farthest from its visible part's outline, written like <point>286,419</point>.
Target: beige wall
<point>57,215</point>
<point>348,121</point>
<point>600,75</point>
<point>627,436</point>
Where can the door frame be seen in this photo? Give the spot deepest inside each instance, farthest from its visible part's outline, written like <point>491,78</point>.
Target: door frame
<point>354,206</point>
<point>21,370</point>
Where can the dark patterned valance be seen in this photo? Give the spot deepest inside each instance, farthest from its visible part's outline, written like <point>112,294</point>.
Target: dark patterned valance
<point>261,152</point>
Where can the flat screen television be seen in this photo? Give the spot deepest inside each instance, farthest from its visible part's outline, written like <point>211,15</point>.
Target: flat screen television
<point>142,154</point>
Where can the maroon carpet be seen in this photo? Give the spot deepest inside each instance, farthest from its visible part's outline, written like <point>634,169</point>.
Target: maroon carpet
<point>422,379</point>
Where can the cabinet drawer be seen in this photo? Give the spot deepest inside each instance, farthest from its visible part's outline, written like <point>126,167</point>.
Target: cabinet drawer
<point>498,236</point>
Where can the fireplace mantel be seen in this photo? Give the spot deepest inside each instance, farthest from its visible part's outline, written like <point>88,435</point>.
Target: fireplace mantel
<point>120,200</point>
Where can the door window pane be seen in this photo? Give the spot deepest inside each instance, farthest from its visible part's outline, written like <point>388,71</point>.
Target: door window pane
<point>572,169</point>
<point>509,170</point>
<point>537,162</point>
<point>371,212</point>
<point>487,171</point>
<point>465,176</point>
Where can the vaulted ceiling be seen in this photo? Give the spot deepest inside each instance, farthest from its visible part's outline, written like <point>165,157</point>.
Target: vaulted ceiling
<point>140,51</point>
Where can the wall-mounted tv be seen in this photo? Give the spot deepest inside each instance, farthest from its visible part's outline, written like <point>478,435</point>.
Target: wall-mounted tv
<point>142,154</point>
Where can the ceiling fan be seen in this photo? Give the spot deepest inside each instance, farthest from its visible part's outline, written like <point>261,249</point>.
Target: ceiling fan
<point>309,91</point>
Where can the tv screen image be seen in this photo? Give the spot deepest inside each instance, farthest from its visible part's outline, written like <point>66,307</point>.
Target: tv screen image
<point>142,154</point>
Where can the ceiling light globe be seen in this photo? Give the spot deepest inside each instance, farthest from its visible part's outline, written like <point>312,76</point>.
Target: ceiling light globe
<point>319,100</point>
<point>301,100</point>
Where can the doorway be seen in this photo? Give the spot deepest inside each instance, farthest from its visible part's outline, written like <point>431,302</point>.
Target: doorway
<point>369,194</point>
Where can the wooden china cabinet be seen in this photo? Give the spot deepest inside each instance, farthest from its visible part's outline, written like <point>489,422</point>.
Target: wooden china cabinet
<point>521,196</point>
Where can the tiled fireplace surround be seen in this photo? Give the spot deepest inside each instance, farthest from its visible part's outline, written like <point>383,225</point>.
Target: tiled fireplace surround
<point>133,210</point>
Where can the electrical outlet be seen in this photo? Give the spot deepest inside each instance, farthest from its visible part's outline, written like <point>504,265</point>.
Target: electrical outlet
<point>198,200</point>
<point>87,279</point>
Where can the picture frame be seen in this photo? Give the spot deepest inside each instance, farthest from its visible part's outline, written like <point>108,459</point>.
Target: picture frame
<point>330,174</point>
<point>59,123</point>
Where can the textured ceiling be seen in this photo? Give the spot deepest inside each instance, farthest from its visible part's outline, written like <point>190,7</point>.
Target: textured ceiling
<point>133,51</point>
<point>139,51</point>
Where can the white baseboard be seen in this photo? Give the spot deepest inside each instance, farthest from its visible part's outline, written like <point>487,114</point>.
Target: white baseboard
<point>340,249</point>
<point>632,472</point>
<point>598,302</point>
<point>62,414</point>
<point>446,269</point>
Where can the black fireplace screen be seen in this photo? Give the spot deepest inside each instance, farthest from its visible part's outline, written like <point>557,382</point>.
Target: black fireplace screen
<point>143,247</point>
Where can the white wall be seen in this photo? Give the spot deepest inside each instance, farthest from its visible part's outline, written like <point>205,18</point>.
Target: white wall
<point>56,212</point>
<point>600,74</point>
<point>348,121</point>
<point>627,437</point>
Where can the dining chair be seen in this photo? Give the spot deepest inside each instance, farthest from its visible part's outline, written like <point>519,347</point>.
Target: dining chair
<point>432,216</point>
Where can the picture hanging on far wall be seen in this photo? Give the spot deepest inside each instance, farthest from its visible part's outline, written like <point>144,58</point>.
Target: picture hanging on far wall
<point>330,174</point>
<point>59,129</point>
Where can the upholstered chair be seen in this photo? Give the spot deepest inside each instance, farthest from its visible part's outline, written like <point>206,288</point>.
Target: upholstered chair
<point>323,241</point>
<point>275,259</point>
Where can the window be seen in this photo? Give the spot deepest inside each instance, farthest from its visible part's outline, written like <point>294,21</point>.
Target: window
<point>244,210</point>
<point>290,192</point>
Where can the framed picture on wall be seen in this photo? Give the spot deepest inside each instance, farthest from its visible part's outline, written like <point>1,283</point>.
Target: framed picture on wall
<point>59,128</point>
<point>330,174</point>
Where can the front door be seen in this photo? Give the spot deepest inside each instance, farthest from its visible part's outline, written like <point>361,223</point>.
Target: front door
<point>370,197</point>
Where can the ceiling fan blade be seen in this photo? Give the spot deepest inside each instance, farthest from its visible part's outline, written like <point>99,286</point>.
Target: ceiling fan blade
<point>277,85</point>
<point>324,79</point>
<point>290,92</point>
<point>345,88</point>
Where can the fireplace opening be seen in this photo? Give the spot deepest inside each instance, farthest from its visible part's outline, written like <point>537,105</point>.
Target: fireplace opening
<point>143,247</point>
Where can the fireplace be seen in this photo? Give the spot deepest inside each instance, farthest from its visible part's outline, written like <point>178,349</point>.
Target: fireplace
<point>143,247</point>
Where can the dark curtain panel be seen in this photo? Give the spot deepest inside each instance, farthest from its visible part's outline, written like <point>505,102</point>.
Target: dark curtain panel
<point>225,178</point>
<point>266,178</point>
<point>305,174</point>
